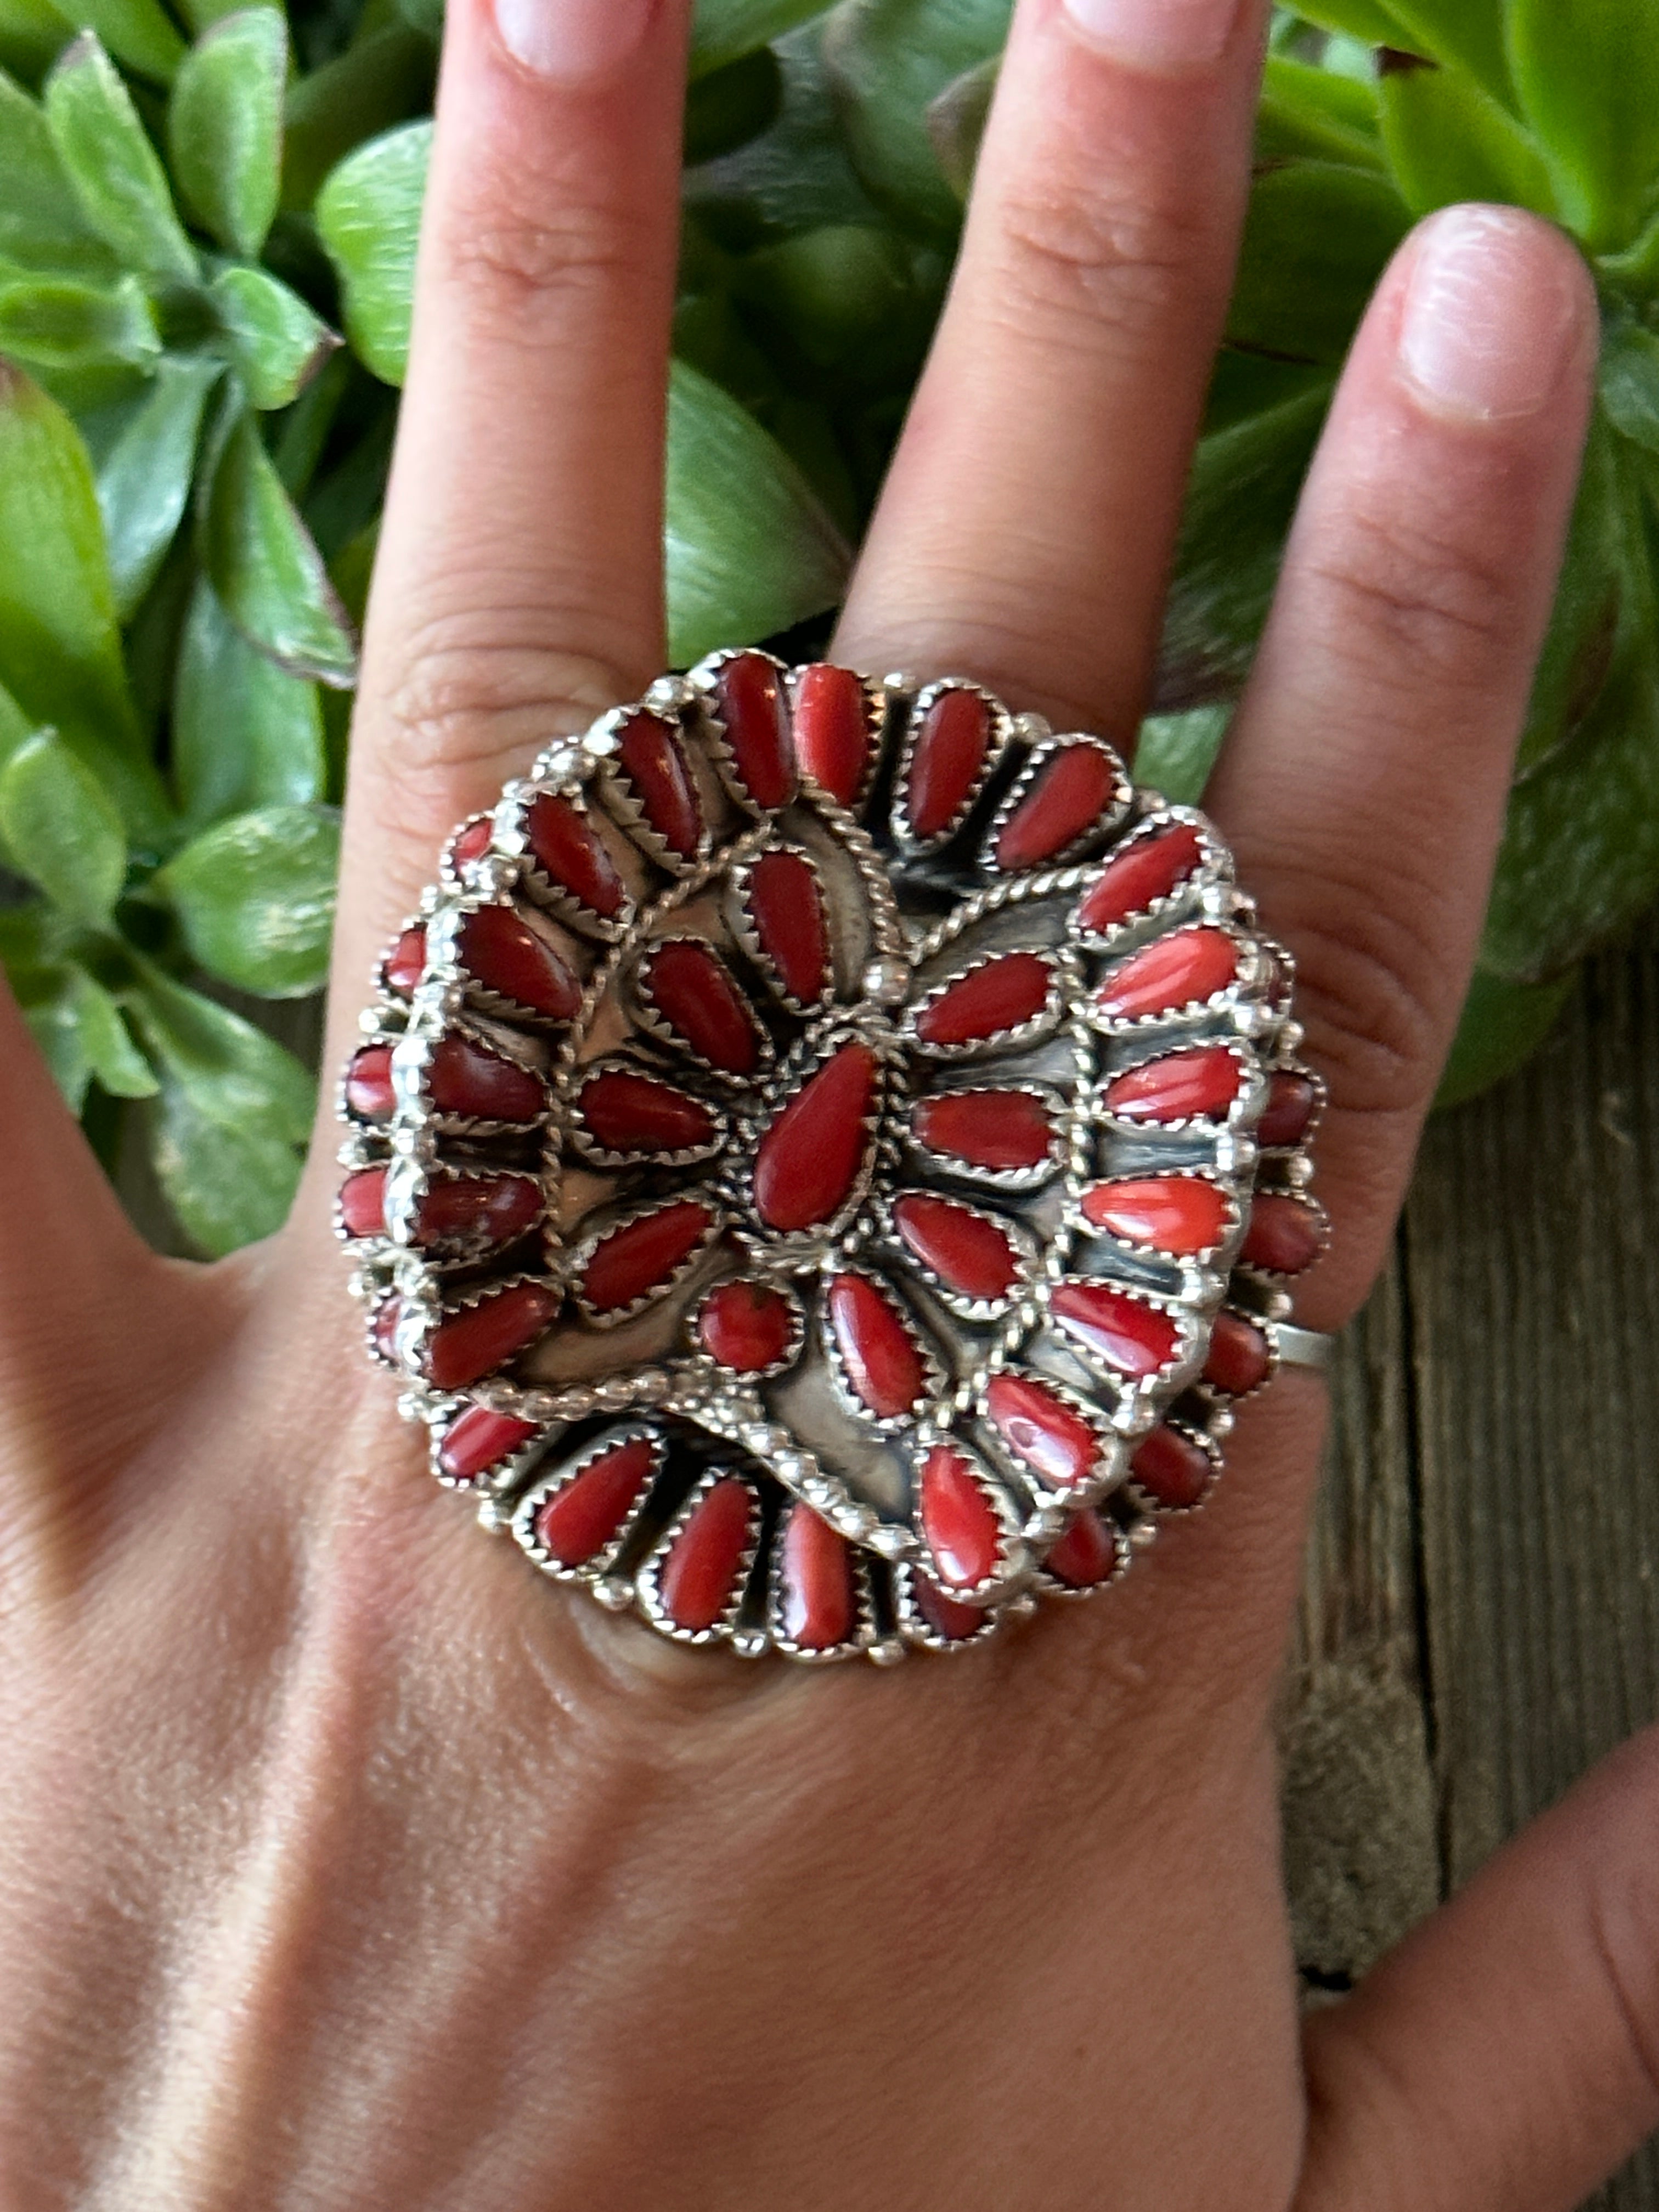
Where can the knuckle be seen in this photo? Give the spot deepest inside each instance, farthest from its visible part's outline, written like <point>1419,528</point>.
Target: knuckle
<point>1110,261</point>
<point>515,251</point>
<point>1415,596</point>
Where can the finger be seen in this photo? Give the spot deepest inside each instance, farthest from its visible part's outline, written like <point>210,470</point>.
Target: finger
<point>1363,786</point>
<point>1507,2055</point>
<point>1025,529</point>
<point>518,587</point>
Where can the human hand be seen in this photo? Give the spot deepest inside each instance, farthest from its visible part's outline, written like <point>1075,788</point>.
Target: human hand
<point>350,1867</point>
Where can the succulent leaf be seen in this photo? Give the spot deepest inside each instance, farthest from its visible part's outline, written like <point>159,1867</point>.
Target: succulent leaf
<point>225,127</point>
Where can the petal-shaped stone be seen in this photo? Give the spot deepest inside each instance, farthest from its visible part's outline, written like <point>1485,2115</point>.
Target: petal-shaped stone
<point>1182,969</point>
<point>383,1328</point>
<point>496,1207</point>
<point>1200,1083</point>
<point>818,1602</point>
<point>1173,1469</point>
<point>368,1091</point>
<point>585,1513</point>
<point>1284,1235</point>
<point>879,1355</point>
<point>506,955</point>
<point>406,963</point>
<point>573,853</point>
<point>482,1439</point>
<point>832,730</point>
<point>644,1253</point>
<point>746,1326</point>
<point>467,1346</point>
<point>943,1615</point>
<point>958,1520</point>
<point>1068,795</point>
<point>1136,1339</point>
<point>1182,1215</point>
<point>1144,871</point>
<point>1086,1554</point>
<point>1040,1427</point>
<point>467,1078</point>
<point>470,841</point>
<point>1240,1357</point>
<point>786,906</point>
<point>749,698</point>
<point>706,1560</point>
<point>808,1161</point>
<point>1002,995</point>
<point>971,1254</point>
<point>692,989</point>
<point>1003,1130</point>
<point>626,1112</point>
<point>362,1203</point>
<point>651,758</point>
<point>1291,1099</point>
<point>947,761</point>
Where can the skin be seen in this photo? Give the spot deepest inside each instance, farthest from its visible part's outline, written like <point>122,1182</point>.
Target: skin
<point>346,1864</point>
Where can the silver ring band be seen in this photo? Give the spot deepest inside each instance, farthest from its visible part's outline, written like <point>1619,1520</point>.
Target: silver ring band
<point>1305,1348</point>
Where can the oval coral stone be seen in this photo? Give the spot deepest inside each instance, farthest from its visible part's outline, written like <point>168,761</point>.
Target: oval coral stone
<point>651,757</point>
<point>573,853</point>
<point>1143,871</point>
<point>691,988</point>
<point>748,696</point>
<point>627,1113</point>
<point>817,1608</point>
<point>481,1439</point>
<point>464,1077</point>
<point>362,1203</point>
<point>1178,1086</point>
<point>1182,970</point>
<point>997,1129</point>
<point>809,1159</point>
<point>468,1346</point>
<point>1071,791</point>
<point>507,956</point>
<point>1128,1334</point>
<point>498,1207</point>
<point>1291,1098</point>
<point>745,1326</point>
<point>786,906</point>
<point>645,1254</point>
<point>946,762</point>
<point>1173,1470</point>
<point>1240,1357</point>
<point>1086,1554</point>
<point>880,1356</point>
<point>586,1513</point>
<point>1283,1235</point>
<point>832,730</point>
<point>1178,1214</point>
<point>955,1623</point>
<point>958,1520</point>
<point>1038,1426</point>
<point>970,1253</point>
<point>369,1089</point>
<point>699,1574</point>
<point>1006,992</point>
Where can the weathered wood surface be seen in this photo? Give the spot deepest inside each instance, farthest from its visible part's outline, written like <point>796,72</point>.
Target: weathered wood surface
<point>1480,1619</point>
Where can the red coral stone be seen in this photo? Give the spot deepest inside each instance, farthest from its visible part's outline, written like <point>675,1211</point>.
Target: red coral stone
<point>470,841</point>
<point>498,1207</point>
<point>1182,969</point>
<point>958,1520</point>
<point>832,730</point>
<point>480,1440</point>
<point>880,1356</point>
<point>362,1203</point>
<point>627,1113</point>
<point>746,1326</point>
<point>786,908</point>
<point>1240,1357</point>
<point>507,956</point>
<point>1283,1235</point>
<point>1006,992</point>
<point>384,1326</point>
<point>651,757</point>
<point>971,1254</point>
<point>406,963</point>
<point>1071,790</point>
<point>464,1077</point>
<point>473,1343</point>
<point>369,1089</point>
<point>955,1623</point>
<point>644,1253</point>
<point>1086,1555</point>
<point>1291,1098</point>
<point>1178,1086</point>
<point>997,1129</point>
<point>585,1514</point>
<point>699,1574</point>
<point>1135,1338</point>
<point>571,852</point>
<point>748,696</point>
<point>1173,1470</point>
<point>946,762</point>
<point>818,1605</point>
<point>809,1160</point>
<point>1038,1426</point>
<point>692,989</point>
<point>1178,1214</point>
<point>1145,871</point>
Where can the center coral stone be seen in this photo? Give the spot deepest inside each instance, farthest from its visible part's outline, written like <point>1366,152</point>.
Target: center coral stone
<point>809,1159</point>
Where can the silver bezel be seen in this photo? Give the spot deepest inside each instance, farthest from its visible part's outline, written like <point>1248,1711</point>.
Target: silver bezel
<point>1081,847</point>
<point>999,736</point>
<point>588,1148</point>
<point>1063,982</point>
<point>647,1582</point>
<point>555,1478</point>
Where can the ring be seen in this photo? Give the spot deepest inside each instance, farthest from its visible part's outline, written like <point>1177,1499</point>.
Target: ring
<point>826,1160</point>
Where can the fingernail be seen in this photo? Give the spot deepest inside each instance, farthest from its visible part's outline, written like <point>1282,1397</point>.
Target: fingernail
<point>1156,34</point>
<point>1491,315</point>
<point>572,39</point>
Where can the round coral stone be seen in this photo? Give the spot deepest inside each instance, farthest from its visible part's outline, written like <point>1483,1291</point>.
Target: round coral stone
<point>878,1353</point>
<point>650,756</point>
<point>808,1161</point>
<point>1179,1215</point>
<point>746,1326</point>
<point>700,1574</point>
<point>818,1605</point>
<point>1086,1554</point>
<point>1173,1469</point>
<point>1005,993</point>
<point>467,1346</point>
<point>464,1077</point>
<point>1135,1338</point>
<point>832,730</point>
<point>645,1254</point>
<point>946,762</point>
<point>1200,1083</point>
<point>627,1113</point>
<point>1040,1427</point>
<point>971,1254</point>
<point>573,853</point>
<point>1071,791</point>
<point>748,696</point>
<point>958,1520</point>
<point>481,1439</point>
<point>1283,1235</point>
<point>587,1513</point>
<point>786,906</point>
<point>506,955</point>
<point>1003,1130</point>
<point>1182,970</point>
<point>691,988</point>
<point>1143,871</point>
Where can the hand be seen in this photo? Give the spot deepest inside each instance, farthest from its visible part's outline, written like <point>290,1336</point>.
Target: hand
<point>348,1865</point>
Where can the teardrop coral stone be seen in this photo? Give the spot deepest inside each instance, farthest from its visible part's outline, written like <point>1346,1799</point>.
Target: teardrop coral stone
<point>1182,969</point>
<point>958,1520</point>
<point>1005,993</point>
<point>651,757</point>
<point>1142,871</point>
<point>497,1208</point>
<point>362,1203</point>
<point>1086,1555</point>
<point>877,1352</point>
<point>572,853</point>
<point>1178,1086</point>
<point>943,1615</point>
<point>786,906</point>
<point>832,730</point>
<point>699,1574</point>
<point>480,1440</point>
<point>644,1255</point>
<point>470,1344</point>
<point>1282,1235</point>
<point>691,988</point>
<point>1173,1470</point>
<point>748,696</point>
<point>406,963</point>
<point>816,1606</point>
<point>368,1088</point>
<point>1240,1357</point>
<point>1178,1214</point>
<point>507,956</point>
<point>1070,792</point>
<point>1136,1339</point>
<point>1292,1097</point>
<point>947,761</point>
<point>996,1130</point>
<point>1038,1426</point>
<point>623,1112</point>
<point>464,1077</point>
<point>745,1326</point>
<point>809,1160</point>
<point>585,1514</point>
<point>470,841</point>
<point>971,1254</point>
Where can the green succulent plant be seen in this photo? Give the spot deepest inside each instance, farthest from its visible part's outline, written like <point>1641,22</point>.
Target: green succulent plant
<point>207,231</point>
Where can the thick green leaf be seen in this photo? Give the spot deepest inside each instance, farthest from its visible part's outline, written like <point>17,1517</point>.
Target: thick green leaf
<point>383,79</point>
<point>144,479</point>
<point>850,297</point>
<point>1174,753</point>
<point>1317,237</point>
<point>61,828</point>
<point>1630,382</point>
<point>227,1184</point>
<point>113,168</point>
<point>225,127</point>
<point>41,223</point>
<point>955,122</point>
<point>244,734</point>
<point>750,550</point>
<point>1503,1025</point>
<point>725,110</point>
<point>116,1060</point>
<point>140,33</point>
<point>63,322</point>
<point>1367,20</point>
<point>724,31</point>
<point>276,341</point>
<point>234,1070</point>
<point>1448,140</point>
<point>1466,34</point>
<point>1311,114</point>
<point>262,563</point>
<point>369,216</point>
<point>1596,595</point>
<point>254,896</point>
<point>45,998</point>
<point>32,33</point>
<point>1587,76</point>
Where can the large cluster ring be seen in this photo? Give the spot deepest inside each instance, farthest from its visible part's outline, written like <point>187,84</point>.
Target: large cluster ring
<point>827,1159</point>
